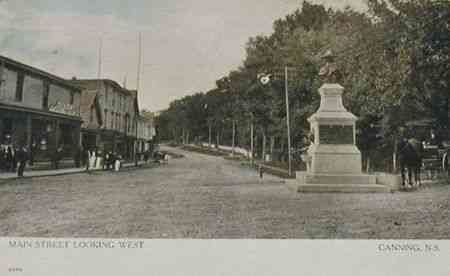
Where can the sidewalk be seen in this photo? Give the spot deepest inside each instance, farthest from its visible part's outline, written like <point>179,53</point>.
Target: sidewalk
<point>40,173</point>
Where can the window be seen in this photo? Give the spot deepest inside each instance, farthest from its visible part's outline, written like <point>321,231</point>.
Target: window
<point>71,97</point>
<point>106,117</point>
<point>91,115</point>
<point>113,96</point>
<point>106,95</point>
<point>19,87</point>
<point>45,95</point>
<point>112,120</point>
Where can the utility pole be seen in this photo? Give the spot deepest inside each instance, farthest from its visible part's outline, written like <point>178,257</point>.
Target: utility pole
<point>139,62</point>
<point>287,119</point>
<point>232,140</point>
<point>124,82</point>
<point>99,69</point>
<point>137,91</point>
<point>99,75</point>
<point>265,79</point>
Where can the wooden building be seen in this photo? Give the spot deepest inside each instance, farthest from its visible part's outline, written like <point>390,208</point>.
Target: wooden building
<point>38,110</point>
<point>110,114</point>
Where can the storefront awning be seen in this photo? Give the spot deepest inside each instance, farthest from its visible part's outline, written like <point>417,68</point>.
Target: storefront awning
<point>39,112</point>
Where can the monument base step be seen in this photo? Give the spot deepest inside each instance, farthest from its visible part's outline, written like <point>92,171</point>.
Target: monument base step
<point>339,179</point>
<point>342,188</point>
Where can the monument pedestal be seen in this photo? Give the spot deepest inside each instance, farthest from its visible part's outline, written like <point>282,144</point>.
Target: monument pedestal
<point>335,160</point>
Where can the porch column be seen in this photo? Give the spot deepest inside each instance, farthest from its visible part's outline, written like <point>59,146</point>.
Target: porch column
<point>98,139</point>
<point>77,135</point>
<point>29,131</point>
<point>114,143</point>
<point>2,136</point>
<point>57,133</point>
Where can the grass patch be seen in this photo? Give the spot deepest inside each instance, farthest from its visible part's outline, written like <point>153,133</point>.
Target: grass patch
<point>204,150</point>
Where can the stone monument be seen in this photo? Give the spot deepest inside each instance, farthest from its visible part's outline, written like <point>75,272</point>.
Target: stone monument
<point>335,160</point>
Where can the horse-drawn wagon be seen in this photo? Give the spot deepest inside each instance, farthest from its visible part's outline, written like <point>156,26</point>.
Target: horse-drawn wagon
<point>435,151</point>
<point>434,160</point>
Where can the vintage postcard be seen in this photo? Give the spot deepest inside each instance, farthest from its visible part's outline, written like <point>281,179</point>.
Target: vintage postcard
<point>237,137</point>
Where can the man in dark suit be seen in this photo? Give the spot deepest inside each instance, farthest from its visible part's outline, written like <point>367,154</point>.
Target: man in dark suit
<point>22,158</point>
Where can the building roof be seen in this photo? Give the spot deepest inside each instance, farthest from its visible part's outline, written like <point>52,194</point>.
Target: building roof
<point>36,71</point>
<point>82,83</point>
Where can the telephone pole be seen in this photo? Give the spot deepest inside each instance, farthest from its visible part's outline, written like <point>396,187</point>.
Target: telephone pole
<point>99,68</point>
<point>137,91</point>
<point>139,62</point>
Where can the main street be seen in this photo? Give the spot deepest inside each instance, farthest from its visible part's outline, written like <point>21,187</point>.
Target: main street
<point>201,196</point>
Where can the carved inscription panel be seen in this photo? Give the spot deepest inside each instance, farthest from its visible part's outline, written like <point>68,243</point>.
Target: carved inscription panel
<point>336,134</point>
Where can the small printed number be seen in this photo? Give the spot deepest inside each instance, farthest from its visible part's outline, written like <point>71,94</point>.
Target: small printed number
<point>15,269</point>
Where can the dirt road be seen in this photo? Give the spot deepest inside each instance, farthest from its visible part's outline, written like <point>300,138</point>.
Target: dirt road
<point>202,196</point>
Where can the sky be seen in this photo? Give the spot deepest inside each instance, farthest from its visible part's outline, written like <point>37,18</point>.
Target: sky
<point>186,44</point>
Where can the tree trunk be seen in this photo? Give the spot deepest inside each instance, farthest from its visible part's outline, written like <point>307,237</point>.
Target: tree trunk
<point>232,139</point>
<point>187,136</point>
<point>183,137</point>
<point>272,144</point>
<point>264,146</point>
<point>256,146</point>
<point>209,137</point>
<point>394,157</point>
<point>217,139</point>
<point>251,142</point>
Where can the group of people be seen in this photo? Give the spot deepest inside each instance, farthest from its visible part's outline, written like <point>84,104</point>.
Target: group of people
<point>106,160</point>
<point>13,159</point>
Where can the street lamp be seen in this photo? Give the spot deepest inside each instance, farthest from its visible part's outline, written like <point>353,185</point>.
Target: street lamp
<point>265,79</point>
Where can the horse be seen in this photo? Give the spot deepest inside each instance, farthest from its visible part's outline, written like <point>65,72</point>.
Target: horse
<point>410,157</point>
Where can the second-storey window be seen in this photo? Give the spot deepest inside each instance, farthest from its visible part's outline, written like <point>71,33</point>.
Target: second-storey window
<point>91,114</point>
<point>45,95</point>
<point>19,87</point>
<point>112,120</point>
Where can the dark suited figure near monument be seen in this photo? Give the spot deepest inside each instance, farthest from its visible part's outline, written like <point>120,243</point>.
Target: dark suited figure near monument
<point>22,158</point>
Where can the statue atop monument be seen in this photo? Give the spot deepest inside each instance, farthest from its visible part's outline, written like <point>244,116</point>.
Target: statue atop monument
<point>329,72</point>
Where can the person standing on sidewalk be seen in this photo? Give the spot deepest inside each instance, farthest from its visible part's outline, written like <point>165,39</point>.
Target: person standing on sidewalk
<point>57,157</point>
<point>261,171</point>
<point>9,159</point>
<point>22,158</point>
<point>86,158</point>
<point>14,158</point>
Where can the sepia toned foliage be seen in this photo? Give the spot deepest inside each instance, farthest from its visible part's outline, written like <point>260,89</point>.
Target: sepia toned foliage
<point>393,59</point>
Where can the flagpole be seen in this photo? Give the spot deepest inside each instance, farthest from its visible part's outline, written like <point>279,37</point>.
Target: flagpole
<point>99,69</point>
<point>139,62</point>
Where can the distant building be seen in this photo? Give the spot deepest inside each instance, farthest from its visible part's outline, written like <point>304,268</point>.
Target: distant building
<point>38,110</point>
<point>146,132</point>
<point>110,116</point>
